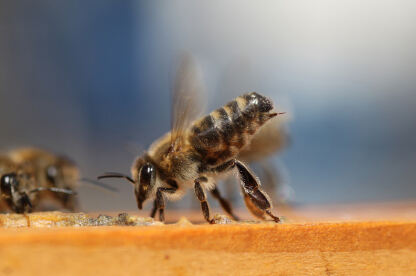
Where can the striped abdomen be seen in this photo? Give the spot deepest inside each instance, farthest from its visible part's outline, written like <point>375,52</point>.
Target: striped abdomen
<point>219,136</point>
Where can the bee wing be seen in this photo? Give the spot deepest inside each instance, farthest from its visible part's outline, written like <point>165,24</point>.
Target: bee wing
<point>186,99</point>
<point>269,139</point>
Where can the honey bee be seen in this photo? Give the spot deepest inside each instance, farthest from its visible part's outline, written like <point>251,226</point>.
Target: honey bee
<point>18,185</point>
<point>51,171</point>
<point>197,152</point>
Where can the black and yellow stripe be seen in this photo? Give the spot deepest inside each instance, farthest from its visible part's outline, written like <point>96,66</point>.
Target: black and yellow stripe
<point>220,135</point>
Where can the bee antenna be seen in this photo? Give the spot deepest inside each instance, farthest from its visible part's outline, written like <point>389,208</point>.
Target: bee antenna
<point>53,189</point>
<point>116,175</point>
<point>99,184</point>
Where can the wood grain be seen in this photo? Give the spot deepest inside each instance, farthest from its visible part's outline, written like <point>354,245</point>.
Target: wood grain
<point>381,245</point>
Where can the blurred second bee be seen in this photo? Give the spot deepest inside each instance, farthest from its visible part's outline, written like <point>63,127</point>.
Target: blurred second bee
<point>29,177</point>
<point>25,180</point>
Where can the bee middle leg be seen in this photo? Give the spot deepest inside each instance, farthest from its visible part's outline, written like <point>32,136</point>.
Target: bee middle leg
<point>200,194</point>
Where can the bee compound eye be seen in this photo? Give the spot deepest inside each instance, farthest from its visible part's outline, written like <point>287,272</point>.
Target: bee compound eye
<point>7,181</point>
<point>146,173</point>
<point>146,182</point>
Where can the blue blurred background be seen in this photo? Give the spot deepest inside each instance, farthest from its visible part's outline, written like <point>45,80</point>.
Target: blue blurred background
<point>92,79</point>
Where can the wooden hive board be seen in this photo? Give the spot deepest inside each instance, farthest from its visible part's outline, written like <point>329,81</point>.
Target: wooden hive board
<point>344,240</point>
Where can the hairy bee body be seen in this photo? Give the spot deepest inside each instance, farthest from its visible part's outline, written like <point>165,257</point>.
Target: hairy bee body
<point>208,144</point>
<point>50,171</point>
<point>222,134</point>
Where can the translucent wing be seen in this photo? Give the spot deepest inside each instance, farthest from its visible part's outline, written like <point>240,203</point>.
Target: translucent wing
<point>186,104</point>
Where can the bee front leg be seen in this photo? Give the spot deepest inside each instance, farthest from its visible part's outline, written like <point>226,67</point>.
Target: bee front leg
<point>200,194</point>
<point>160,201</point>
<point>23,204</point>
<point>257,201</point>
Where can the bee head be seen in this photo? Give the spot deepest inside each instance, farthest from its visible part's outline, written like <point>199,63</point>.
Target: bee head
<point>145,182</point>
<point>143,178</point>
<point>8,181</point>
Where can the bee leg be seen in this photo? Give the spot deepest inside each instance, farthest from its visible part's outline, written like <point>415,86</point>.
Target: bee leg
<point>23,205</point>
<point>154,209</point>
<point>257,201</point>
<point>160,201</point>
<point>200,194</point>
<point>224,203</point>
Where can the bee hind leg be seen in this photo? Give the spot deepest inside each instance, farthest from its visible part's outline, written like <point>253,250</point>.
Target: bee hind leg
<point>257,201</point>
<point>200,194</point>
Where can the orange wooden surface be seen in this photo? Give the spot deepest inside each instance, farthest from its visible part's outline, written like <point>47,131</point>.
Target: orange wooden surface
<point>377,239</point>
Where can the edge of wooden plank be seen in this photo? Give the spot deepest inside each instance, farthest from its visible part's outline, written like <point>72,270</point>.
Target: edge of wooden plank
<point>293,237</point>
